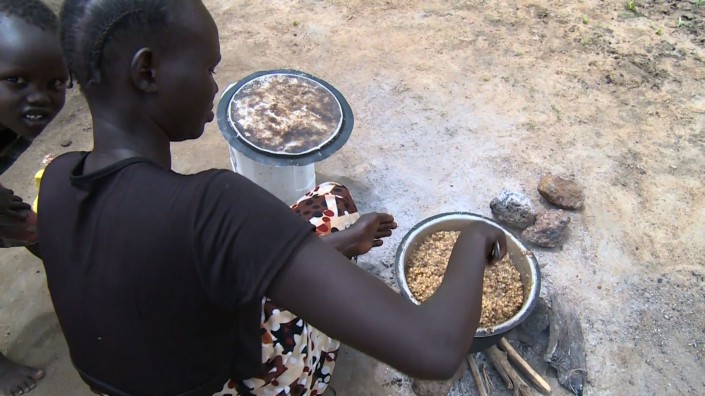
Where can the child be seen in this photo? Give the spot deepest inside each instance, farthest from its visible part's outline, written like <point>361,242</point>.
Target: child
<point>32,91</point>
<point>158,278</point>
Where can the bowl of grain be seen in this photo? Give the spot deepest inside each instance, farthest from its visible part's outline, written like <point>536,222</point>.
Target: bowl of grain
<point>510,287</point>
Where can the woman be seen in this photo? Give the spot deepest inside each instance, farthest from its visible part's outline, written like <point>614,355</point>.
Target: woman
<point>158,278</point>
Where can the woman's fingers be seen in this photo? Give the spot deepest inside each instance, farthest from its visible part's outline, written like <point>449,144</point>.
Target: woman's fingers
<point>391,225</point>
<point>385,217</point>
<point>383,234</point>
<point>387,226</point>
<point>385,229</point>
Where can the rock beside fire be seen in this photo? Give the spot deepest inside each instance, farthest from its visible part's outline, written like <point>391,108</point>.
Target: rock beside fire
<point>564,193</point>
<point>549,229</point>
<point>514,209</point>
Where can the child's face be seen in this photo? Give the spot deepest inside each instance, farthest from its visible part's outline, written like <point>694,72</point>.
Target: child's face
<point>32,77</point>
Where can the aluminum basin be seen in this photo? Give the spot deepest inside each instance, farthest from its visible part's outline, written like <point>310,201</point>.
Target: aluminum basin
<point>522,258</point>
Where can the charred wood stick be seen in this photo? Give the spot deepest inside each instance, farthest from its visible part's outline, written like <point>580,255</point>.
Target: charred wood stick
<point>476,375</point>
<point>511,377</point>
<point>540,383</point>
<point>495,357</point>
<point>488,380</point>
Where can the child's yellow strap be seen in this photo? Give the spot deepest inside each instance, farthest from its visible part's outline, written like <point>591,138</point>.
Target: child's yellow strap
<point>38,182</point>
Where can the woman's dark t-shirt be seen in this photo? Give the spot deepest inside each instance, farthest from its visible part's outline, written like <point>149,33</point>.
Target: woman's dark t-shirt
<point>156,277</point>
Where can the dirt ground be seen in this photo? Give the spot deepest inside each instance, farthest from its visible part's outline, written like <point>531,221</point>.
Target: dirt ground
<point>454,101</point>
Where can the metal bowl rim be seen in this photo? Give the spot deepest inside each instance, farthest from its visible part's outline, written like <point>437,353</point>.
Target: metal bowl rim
<point>535,272</point>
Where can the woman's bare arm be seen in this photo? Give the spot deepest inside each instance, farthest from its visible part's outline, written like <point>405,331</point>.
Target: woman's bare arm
<point>347,303</point>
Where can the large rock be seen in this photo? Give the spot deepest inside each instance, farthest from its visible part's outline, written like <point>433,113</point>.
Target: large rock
<point>564,193</point>
<point>549,229</point>
<point>514,209</point>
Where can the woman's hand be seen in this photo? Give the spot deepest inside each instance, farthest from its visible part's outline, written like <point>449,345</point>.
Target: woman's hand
<point>361,237</point>
<point>485,238</point>
<point>369,230</point>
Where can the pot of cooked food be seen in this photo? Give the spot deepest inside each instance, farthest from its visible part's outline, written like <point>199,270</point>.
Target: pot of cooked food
<point>510,287</point>
<point>279,123</point>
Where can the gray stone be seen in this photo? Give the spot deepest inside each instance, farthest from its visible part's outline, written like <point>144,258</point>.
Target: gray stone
<point>431,388</point>
<point>549,229</point>
<point>514,209</point>
<point>564,193</point>
<point>436,388</point>
<point>65,142</point>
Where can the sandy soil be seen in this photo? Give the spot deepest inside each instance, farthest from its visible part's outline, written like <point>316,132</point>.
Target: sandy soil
<point>454,101</point>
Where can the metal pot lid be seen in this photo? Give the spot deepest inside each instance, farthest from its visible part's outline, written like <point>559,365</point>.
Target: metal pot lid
<point>284,118</point>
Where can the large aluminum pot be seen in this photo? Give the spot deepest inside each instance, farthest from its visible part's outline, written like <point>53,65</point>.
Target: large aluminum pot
<point>522,258</point>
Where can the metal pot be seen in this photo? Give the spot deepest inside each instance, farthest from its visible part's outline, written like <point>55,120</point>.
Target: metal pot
<point>523,259</point>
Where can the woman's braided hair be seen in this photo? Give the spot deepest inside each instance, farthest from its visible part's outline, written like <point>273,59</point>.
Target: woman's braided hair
<point>88,26</point>
<point>34,12</point>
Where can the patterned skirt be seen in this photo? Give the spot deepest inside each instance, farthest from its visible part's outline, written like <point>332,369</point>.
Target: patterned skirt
<point>299,359</point>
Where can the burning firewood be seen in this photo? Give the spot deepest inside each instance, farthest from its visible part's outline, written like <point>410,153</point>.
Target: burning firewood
<point>536,379</point>
<point>510,376</point>
<point>476,375</point>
